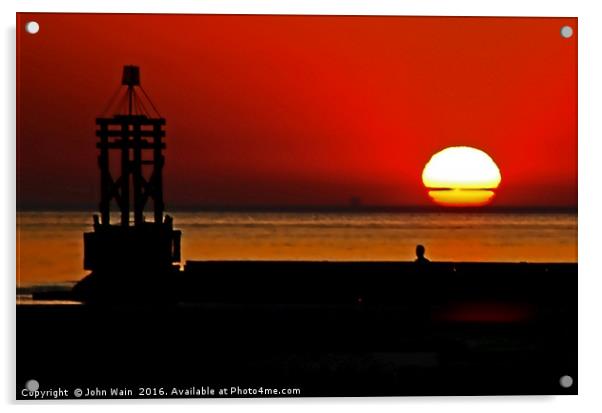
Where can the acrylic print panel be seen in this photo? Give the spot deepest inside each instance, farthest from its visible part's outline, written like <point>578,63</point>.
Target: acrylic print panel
<point>290,206</point>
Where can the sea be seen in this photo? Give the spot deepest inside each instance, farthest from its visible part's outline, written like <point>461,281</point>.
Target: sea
<point>50,243</point>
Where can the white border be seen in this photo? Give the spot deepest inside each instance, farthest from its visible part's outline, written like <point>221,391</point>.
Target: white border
<point>385,7</point>
<point>590,165</point>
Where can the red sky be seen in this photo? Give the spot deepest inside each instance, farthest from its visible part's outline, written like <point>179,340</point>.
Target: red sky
<point>302,110</point>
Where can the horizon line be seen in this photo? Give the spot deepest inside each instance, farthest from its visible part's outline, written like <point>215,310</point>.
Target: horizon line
<point>320,208</point>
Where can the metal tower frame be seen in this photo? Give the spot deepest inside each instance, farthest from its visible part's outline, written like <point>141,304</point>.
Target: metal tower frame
<point>133,135</point>
<point>136,137</point>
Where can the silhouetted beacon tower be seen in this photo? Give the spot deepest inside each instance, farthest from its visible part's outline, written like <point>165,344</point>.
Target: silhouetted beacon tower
<point>133,140</point>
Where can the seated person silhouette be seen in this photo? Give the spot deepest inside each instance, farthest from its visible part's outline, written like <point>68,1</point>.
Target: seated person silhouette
<point>420,258</point>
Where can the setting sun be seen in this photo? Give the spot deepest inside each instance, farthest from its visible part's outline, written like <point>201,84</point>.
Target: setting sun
<point>461,176</point>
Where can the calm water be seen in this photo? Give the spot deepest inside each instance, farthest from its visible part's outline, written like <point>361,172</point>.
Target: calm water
<point>49,245</point>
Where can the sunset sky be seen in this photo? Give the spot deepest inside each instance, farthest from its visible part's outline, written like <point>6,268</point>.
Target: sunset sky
<point>302,110</point>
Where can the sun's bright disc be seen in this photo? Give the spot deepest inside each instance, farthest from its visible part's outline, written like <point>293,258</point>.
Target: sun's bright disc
<point>461,176</point>
<point>462,197</point>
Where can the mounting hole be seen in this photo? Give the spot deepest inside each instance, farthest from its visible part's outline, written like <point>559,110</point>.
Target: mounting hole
<point>32,385</point>
<point>566,381</point>
<point>32,27</point>
<point>566,32</point>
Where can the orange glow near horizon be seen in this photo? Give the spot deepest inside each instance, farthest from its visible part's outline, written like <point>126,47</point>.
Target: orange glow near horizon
<point>461,176</point>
